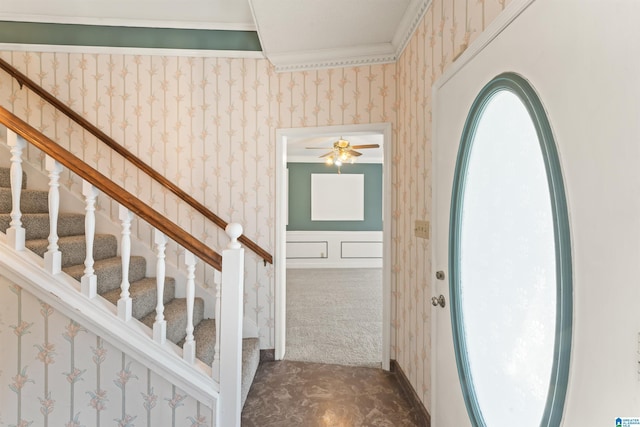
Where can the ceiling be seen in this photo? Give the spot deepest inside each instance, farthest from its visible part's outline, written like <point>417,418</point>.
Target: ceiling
<point>294,34</point>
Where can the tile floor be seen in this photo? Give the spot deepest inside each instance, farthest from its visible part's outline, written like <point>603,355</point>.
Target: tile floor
<point>300,394</point>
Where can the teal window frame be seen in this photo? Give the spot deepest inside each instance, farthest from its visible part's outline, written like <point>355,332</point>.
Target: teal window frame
<point>517,85</point>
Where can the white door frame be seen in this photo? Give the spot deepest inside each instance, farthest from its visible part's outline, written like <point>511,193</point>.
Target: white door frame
<point>280,263</point>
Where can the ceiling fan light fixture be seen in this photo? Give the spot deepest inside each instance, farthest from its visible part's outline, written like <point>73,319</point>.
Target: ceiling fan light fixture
<point>343,152</point>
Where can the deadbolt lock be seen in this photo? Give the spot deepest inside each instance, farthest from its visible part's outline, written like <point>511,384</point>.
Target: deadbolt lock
<point>440,275</point>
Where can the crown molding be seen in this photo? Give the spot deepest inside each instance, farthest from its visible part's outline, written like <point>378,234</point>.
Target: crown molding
<point>413,16</point>
<point>333,58</point>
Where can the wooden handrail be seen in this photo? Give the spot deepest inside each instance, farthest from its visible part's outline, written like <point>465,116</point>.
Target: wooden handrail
<point>129,156</point>
<point>110,188</point>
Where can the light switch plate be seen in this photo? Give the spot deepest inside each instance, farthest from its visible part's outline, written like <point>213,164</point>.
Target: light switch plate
<point>421,229</point>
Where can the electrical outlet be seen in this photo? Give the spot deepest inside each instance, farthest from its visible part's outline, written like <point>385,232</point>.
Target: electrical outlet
<point>421,229</point>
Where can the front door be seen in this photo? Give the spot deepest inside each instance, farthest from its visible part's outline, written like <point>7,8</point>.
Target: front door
<point>503,288</point>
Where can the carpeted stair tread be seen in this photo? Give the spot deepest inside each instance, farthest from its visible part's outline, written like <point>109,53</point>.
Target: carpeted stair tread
<point>144,293</point>
<point>31,201</point>
<point>5,178</point>
<point>204,334</point>
<point>175,313</point>
<point>37,224</point>
<point>73,248</point>
<point>109,272</point>
<point>250,362</point>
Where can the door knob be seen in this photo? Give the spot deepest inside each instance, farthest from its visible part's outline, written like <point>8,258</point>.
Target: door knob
<point>438,301</point>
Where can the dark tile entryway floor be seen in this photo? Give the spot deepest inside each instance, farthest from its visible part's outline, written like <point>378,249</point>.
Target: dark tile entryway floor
<point>300,394</point>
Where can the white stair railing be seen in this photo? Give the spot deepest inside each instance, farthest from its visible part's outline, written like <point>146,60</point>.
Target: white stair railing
<point>15,232</point>
<point>125,302</point>
<point>53,256</point>
<point>215,366</point>
<point>160,325</point>
<point>230,403</point>
<point>88,283</point>
<point>229,283</point>
<point>189,347</point>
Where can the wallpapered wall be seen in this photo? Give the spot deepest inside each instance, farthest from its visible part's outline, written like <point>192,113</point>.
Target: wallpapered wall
<point>56,373</point>
<point>209,125</point>
<point>447,29</point>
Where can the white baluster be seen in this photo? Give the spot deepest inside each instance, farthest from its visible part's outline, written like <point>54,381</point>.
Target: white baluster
<point>160,325</point>
<point>53,256</point>
<point>215,366</point>
<point>189,347</point>
<point>231,320</point>
<point>15,232</point>
<point>88,283</point>
<point>124,303</point>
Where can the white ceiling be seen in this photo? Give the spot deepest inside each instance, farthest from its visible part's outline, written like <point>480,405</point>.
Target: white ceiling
<point>295,34</point>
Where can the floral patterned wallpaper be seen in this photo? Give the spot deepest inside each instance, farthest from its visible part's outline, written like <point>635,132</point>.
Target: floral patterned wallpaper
<point>56,373</point>
<point>209,125</point>
<point>449,26</point>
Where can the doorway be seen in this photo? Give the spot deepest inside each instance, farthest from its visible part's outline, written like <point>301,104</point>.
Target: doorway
<point>283,137</point>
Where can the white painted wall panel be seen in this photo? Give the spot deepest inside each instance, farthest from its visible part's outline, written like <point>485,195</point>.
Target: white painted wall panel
<point>361,249</point>
<point>341,249</point>
<point>307,250</point>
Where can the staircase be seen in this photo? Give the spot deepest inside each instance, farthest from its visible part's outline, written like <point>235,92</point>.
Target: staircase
<point>108,269</point>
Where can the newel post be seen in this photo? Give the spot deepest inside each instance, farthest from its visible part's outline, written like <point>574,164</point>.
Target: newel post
<point>230,327</point>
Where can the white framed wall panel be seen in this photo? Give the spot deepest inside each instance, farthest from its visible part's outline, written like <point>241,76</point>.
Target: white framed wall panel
<point>360,250</point>
<point>334,249</point>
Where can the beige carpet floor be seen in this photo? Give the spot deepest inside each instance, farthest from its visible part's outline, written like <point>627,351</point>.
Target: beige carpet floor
<point>334,316</point>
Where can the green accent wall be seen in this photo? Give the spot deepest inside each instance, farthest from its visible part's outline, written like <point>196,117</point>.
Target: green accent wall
<point>300,197</point>
<point>127,37</point>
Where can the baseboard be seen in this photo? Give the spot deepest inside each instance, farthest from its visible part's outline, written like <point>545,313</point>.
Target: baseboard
<point>412,396</point>
<point>268,355</point>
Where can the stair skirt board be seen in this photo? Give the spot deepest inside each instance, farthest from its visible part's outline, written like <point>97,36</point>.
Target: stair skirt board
<point>108,269</point>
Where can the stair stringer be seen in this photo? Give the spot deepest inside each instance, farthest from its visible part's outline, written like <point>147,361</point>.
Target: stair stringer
<point>73,202</point>
<point>99,316</point>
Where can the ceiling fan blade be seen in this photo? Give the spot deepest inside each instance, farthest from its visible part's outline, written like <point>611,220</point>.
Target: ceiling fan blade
<point>365,146</point>
<point>326,154</point>
<point>354,153</point>
<point>316,148</point>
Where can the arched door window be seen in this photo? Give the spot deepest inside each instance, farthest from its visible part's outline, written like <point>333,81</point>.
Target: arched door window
<point>510,261</point>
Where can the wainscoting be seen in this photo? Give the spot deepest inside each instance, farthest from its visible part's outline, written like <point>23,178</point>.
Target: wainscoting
<point>334,249</point>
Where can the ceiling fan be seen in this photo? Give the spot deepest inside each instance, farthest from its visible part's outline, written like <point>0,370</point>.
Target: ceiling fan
<point>342,151</point>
